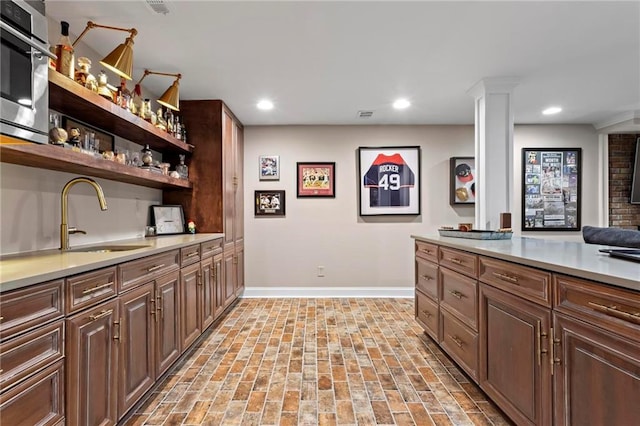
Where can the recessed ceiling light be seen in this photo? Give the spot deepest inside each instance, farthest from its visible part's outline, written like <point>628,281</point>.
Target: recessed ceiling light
<point>552,110</point>
<point>401,104</point>
<point>265,105</point>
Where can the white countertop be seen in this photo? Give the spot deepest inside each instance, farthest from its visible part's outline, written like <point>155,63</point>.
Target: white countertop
<point>566,257</point>
<point>25,269</point>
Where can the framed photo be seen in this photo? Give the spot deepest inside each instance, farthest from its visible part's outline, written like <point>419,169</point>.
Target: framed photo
<point>316,180</point>
<point>269,167</point>
<point>168,219</point>
<point>462,181</point>
<point>551,189</point>
<point>269,203</point>
<point>89,135</point>
<point>389,180</point>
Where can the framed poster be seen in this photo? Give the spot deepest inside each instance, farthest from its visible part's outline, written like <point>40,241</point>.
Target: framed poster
<point>269,203</point>
<point>551,188</point>
<point>168,219</point>
<point>269,167</point>
<point>87,137</point>
<point>316,180</point>
<point>462,180</point>
<point>389,180</point>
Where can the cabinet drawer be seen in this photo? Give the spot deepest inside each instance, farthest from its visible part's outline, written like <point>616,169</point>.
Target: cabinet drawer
<point>609,307</point>
<point>531,284</point>
<point>38,400</point>
<point>89,289</point>
<point>190,255</point>
<point>459,261</point>
<point>30,352</point>
<point>24,309</point>
<point>427,315</point>
<point>460,297</point>
<point>427,278</point>
<point>460,342</point>
<point>139,271</point>
<point>209,248</point>
<point>427,251</point>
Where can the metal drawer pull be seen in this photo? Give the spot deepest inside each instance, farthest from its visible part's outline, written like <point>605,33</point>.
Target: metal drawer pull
<point>456,294</point>
<point>117,336</point>
<point>199,278</point>
<point>427,314</point>
<point>540,335</point>
<point>506,277</point>
<point>195,253</point>
<point>159,306</point>
<point>426,277</point>
<point>102,314</point>
<point>457,340</point>
<point>425,251</point>
<point>616,313</point>
<point>98,287</point>
<point>455,260</point>
<point>155,268</point>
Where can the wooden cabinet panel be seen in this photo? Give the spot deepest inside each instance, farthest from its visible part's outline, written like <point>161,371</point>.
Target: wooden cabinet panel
<point>229,177</point>
<point>238,136</point>
<point>459,261</point>
<point>239,264</point>
<point>190,314</point>
<point>427,315</point>
<point>136,272</point>
<point>460,342</point>
<point>137,350</point>
<point>597,377</point>
<point>189,255</point>
<point>92,343</point>
<point>36,401</point>
<point>427,251</point>
<point>514,355</point>
<point>89,289</point>
<point>218,284</point>
<point>207,291</point>
<point>228,290</point>
<point>529,283</point>
<point>30,352</point>
<point>168,325</point>
<point>209,248</point>
<point>427,278</point>
<point>25,309</point>
<point>460,296</point>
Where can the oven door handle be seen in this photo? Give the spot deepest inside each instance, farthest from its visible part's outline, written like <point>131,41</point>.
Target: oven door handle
<point>27,40</point>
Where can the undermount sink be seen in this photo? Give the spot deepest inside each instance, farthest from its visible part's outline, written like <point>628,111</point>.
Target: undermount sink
<point>107,249</point>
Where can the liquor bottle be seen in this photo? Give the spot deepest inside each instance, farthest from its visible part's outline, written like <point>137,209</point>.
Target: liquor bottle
<point>65,63</point>
<point>170,122</point>
<point>182,169</point>
<point>177,128</point>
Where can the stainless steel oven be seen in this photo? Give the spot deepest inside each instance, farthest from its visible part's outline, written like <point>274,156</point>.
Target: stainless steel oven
<point>24,106</point>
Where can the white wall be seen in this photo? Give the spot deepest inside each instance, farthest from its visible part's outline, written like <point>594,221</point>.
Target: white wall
<point>372,251</point>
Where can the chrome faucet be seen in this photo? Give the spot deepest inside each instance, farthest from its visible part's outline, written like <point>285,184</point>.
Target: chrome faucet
<point>64,227</point>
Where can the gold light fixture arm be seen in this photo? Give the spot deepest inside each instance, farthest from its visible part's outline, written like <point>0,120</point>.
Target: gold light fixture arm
<point>147,72</point>
<point>170,98</point>
<point>91,25</point>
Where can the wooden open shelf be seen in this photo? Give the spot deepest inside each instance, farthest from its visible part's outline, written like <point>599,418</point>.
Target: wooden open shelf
<point>57,158</point>
<point>76,101</point>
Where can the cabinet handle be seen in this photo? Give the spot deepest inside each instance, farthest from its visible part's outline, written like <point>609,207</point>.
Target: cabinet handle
<point>117,323</point>
<point>155,268</point>
<point>102,314</point>
<point>613,311</point>
<point>506,277</point>
<point>457,340</point>
<point>199,278</point>
<point>553,341</point>
<point>153,310</point>
<point>540,335</point>
<point>426,277</point>
<point>456,294</point>
<point>159,305</point>
<point>427,314</point>
<point>98,287</point>
<point>195,253</point>
<point>455,260</point>
<point>425,251</point>
<point>235,260</point>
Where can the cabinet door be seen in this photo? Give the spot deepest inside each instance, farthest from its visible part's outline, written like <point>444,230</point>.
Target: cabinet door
<point>207,290</point>
<point>190,282</point>
<point>137,370</point>
<point>239,285</point>
<point>230,180</point>
<point>230,271</point>
<point>92,344</point>
<point>168,325</point>
<point>597,377</point>
<point>219,282</point>
<point>514,362</point>
<point>239,195</point>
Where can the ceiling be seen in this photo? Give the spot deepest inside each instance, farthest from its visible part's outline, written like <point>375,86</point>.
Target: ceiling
<point>321,62</point>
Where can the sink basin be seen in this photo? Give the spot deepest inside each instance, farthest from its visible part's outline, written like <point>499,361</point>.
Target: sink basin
<point>107,249</point>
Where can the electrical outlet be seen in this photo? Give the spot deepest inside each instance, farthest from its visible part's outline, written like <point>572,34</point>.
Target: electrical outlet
<point>321,271</point>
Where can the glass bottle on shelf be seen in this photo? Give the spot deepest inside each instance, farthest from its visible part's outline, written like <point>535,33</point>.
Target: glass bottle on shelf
<point>136,101</point>
<point>182,168</point>
<point>65,63</point>
<point>177,128</point>
<point>146,108</point>
<point>147,156</point>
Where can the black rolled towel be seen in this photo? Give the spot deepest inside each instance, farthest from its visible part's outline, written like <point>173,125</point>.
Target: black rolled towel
<point>611,236</point>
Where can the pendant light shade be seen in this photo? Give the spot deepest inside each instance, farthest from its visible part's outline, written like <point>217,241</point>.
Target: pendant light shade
<point>120,60</point>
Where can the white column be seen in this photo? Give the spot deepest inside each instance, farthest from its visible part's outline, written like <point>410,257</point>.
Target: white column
<point>493,150</point>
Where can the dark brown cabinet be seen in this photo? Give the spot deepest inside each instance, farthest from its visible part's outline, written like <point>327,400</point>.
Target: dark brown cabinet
<point>167,321</point>
<point>190,309</point>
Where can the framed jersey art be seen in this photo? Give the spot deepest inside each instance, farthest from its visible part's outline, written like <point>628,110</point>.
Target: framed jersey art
<point>389,180</point>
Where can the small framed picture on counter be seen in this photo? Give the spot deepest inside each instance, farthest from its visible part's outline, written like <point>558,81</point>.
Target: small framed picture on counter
<point>168,219</point>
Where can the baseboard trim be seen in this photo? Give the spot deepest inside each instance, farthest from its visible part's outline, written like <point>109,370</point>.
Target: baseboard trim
<point>328,292</point>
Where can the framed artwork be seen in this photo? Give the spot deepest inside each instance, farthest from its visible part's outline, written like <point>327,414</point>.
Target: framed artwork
<point>389,180</point>
<point>316,180</point>
<point>462,181</point>
<point>269,203</point>
<point>168,219</point>
<point>89,136</point>
<point>269,167</point>
<point>551,189</point>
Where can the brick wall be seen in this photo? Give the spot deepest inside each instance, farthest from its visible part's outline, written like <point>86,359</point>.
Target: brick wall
<point>622,214</point>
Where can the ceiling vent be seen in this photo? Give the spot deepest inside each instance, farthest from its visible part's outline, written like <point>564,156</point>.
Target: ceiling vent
<point>365,114</point>
<point>158,6</point>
